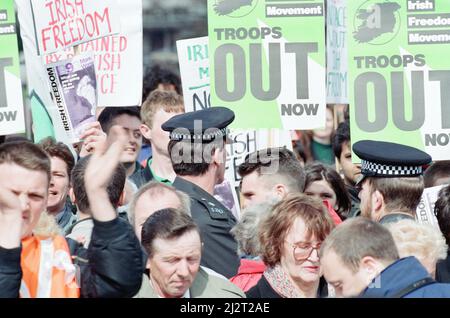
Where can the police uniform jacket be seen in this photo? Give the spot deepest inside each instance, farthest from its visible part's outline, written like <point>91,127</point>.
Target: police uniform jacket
<point>215,222</point>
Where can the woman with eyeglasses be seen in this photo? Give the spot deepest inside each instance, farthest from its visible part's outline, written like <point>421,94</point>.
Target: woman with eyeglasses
<point>290,238</point>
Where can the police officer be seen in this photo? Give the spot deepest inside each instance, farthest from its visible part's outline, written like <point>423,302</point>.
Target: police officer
<point>391,185</point>
<point>197,151</point>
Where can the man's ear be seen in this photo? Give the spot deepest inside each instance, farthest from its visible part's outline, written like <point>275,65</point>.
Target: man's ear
<point>371,267</point>
<point>377,202</point>
<point>217,156</point>
<point>72,196</point>
<point>145,131</point>
<point>280,190</point>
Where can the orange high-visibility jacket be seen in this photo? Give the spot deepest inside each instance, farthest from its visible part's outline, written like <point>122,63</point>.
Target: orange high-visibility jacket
<point>48,271</point>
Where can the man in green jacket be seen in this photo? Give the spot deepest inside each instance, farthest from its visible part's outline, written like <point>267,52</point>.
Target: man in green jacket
<point>172,240</point>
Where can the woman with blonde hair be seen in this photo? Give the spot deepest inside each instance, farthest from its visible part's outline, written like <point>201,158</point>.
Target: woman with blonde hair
<point>422,241</point>
<point>290,238</point>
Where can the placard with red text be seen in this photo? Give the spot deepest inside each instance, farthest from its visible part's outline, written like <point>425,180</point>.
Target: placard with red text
<point>59,24</point>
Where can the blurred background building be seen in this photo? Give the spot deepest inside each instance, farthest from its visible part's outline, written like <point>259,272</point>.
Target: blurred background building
<point>165,22</point>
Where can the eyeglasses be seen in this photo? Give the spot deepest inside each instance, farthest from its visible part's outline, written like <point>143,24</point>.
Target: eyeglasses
<point>302,250</point>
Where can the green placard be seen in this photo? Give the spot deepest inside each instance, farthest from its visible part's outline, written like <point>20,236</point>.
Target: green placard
<point>267,62</point>
<point>399,73</point>
<point>8,35</point>
<point>11,103</point>
<point>42,123</point>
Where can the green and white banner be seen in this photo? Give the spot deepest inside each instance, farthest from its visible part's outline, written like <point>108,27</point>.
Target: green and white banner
<point>337,74</point>
<point>399,73</point>
<point>11,103</point>
<point>194,70</point>
<point>193,59</point>
<point>268,62</point>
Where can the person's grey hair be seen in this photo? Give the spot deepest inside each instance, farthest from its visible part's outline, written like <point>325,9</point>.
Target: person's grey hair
<point>246,231</point>
<point>155,188</point>
<point>423,241</point>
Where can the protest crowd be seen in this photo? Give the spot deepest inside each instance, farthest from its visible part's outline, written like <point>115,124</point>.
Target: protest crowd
<point>149,198</point>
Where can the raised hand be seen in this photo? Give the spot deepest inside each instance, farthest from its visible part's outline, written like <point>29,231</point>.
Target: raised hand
<point>91,138</point>
<point>99,171</point>
<point>11,219</point>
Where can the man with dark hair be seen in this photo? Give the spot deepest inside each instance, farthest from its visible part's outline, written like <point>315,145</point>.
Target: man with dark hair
<point>392,182</point>
<point>437,174</point>
<point>442,212</point>
<point>82,229</point>
<point>360,258</point>
<point>173,244</point>
<point>113,266</point>
<point>352,172</point>
<point>269,175</point>
<point>163,80</point>
<point>160,78</point>
<point>62,162</point>
<point>198,155</point>
<point>130,119</point>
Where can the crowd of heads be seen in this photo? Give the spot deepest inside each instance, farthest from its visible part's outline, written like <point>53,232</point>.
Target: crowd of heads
<point>284,222</point>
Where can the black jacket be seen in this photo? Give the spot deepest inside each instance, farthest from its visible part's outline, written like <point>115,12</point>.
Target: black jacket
<point>111,267</point>
<point>215,222</point>
<point>10,272</point>
<point>355,209</point>
<point>443,270</point>
<point>264,290</point>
